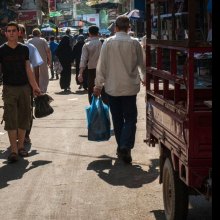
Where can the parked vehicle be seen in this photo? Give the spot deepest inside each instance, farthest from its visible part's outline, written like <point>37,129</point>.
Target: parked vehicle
<point>179,101</point>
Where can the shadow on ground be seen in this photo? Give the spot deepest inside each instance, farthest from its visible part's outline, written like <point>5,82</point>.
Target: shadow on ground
<point>159,214</point>
<point>77,92</point>
<point>117,173</point>
<point>112,133</point>
<point>16,170</point>
<point>64,93</point>
<point>199,209</point>
<point>4,153</point>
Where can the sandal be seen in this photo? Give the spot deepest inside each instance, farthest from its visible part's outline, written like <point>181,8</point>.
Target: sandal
<point>22,152</point>
<point>13,157</point>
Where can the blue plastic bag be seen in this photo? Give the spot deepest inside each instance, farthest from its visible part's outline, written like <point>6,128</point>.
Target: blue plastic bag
<point>98,120</point>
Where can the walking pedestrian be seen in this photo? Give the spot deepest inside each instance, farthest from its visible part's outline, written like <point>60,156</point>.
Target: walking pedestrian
<point>90,55</point>
<point>71,38</point>
<point>53,46</point>
<point>16,93</point>
<point>3,38</point>
<point>35,62</point>
<point>80,32</point>
<point>120,69</point>
<point>44,50</point>
<point>64,54</point>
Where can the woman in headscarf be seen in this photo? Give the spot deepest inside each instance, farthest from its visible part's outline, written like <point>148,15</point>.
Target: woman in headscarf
<point>63,53</point>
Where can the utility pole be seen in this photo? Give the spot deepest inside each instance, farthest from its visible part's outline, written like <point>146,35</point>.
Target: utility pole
<point>74,9</point>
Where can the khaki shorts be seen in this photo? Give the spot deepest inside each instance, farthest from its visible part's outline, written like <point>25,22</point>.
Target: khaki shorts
<point>17,107</point>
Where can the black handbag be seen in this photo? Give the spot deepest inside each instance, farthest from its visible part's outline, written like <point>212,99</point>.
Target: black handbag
<point>42,106</point>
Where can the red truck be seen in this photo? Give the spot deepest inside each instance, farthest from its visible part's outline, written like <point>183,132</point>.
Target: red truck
<point>179,99</point>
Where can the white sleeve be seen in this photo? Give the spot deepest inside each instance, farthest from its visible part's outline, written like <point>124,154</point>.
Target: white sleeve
<point>34,56</point>
<point>84,57</point>
<point>141,54</point>
<point>101,67</point>
<point>37,58</point>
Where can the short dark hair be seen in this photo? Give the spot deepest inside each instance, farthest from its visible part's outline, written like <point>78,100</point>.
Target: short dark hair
<point>68,31</point>
<point>12,23</point>
<point>94,30</point>
<point>52,38</point>
<point>36,32</point>
<point>80,31</point>
<point>122,23</point>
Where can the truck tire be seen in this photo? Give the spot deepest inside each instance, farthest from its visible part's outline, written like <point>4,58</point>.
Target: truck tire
<point>175,194</point>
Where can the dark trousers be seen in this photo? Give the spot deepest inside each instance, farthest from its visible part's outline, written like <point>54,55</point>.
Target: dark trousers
<point>77,73</point>
<point>85,78</point>
<point>32,116</point>
<point>65,75</point>
<point>91,84</point>
<point>52,67</point>
<point>124,115</point>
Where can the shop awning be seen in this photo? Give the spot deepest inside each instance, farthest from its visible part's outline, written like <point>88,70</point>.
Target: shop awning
<point>72,22</point>
<point>55,14</point>
<point>132,15</point>
<point>48,29</point>
<point>135,14</point>
<point>48,24</point>
<point>103,3</point>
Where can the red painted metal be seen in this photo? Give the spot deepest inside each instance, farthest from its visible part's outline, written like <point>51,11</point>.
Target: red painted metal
<point>179,112</point>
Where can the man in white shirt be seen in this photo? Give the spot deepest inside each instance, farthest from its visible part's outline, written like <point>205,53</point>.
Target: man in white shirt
<point>89,57</point>
<point>120,69</point>
<point>143,42</point>
<point>34,55</point>
<point>44,50</point>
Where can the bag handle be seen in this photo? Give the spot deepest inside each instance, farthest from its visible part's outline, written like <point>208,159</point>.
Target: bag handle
<point>97,101</point>
<point>94,98</point>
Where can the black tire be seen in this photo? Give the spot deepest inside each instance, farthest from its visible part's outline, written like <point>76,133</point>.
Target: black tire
<point>175,194</point>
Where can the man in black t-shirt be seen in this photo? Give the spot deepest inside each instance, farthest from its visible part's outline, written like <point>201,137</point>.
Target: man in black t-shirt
<point>17,75</point>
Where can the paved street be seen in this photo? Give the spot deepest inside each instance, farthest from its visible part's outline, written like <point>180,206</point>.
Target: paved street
<point>67,177</point>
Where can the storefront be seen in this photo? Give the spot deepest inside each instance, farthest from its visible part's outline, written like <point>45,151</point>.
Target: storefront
<point>30,18</point>
<point>7,13</point>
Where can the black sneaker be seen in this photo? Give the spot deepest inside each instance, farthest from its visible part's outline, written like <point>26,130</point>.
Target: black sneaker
<point>126,155</point>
